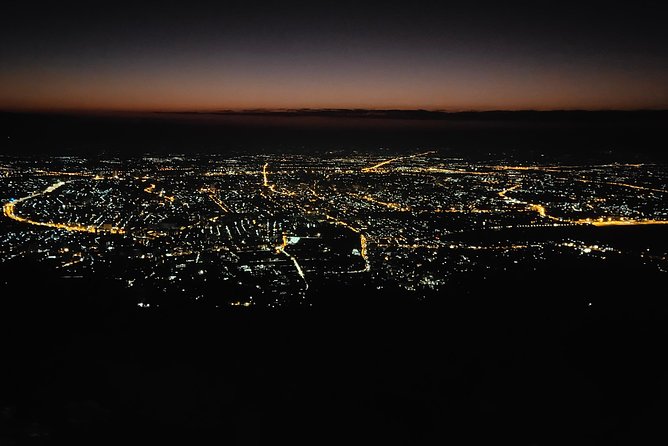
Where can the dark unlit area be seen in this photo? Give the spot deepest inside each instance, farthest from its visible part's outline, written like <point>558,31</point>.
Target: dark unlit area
<point>512,358</point>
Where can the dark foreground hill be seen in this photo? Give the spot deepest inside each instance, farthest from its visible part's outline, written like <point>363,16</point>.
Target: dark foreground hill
<point>521,359</point>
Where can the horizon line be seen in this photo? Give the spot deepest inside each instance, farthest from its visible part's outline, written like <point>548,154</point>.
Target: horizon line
<point>314,110</point>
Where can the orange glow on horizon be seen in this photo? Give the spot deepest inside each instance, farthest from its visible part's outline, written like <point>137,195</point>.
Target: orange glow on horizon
<point>176,92</point>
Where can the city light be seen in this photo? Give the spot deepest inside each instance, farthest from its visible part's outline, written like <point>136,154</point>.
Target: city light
<point>411,220</point>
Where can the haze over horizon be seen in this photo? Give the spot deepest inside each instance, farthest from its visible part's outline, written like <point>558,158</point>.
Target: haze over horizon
<point>158,56</point>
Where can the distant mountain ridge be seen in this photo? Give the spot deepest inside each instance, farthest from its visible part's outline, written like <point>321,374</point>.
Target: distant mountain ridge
<point>423,114</point>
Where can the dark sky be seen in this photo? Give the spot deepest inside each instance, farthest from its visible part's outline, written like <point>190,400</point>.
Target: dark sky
<point>57,55</point>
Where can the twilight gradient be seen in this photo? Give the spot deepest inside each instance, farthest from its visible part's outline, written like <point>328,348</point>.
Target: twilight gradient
<point>332,54</point>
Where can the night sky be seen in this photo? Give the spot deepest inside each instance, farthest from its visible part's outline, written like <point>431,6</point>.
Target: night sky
<point>332,54</point>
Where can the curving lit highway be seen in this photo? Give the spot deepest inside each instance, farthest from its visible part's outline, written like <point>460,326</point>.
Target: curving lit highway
<point>602,221</point>
<point>9,210</point>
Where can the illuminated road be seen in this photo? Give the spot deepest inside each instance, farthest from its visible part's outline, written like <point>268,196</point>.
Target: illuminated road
<point>363,242</point>
<point>630,186</point>
<point>538,208</point>
<point>281,249</point>
<point>399,158</point>
<point>619,222</point>
<point>9,210</point>
<point>503,193</point>
<point>272,187</point>
<point>211,193</point>
<point>265,183</point>
<point>603,221</point>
